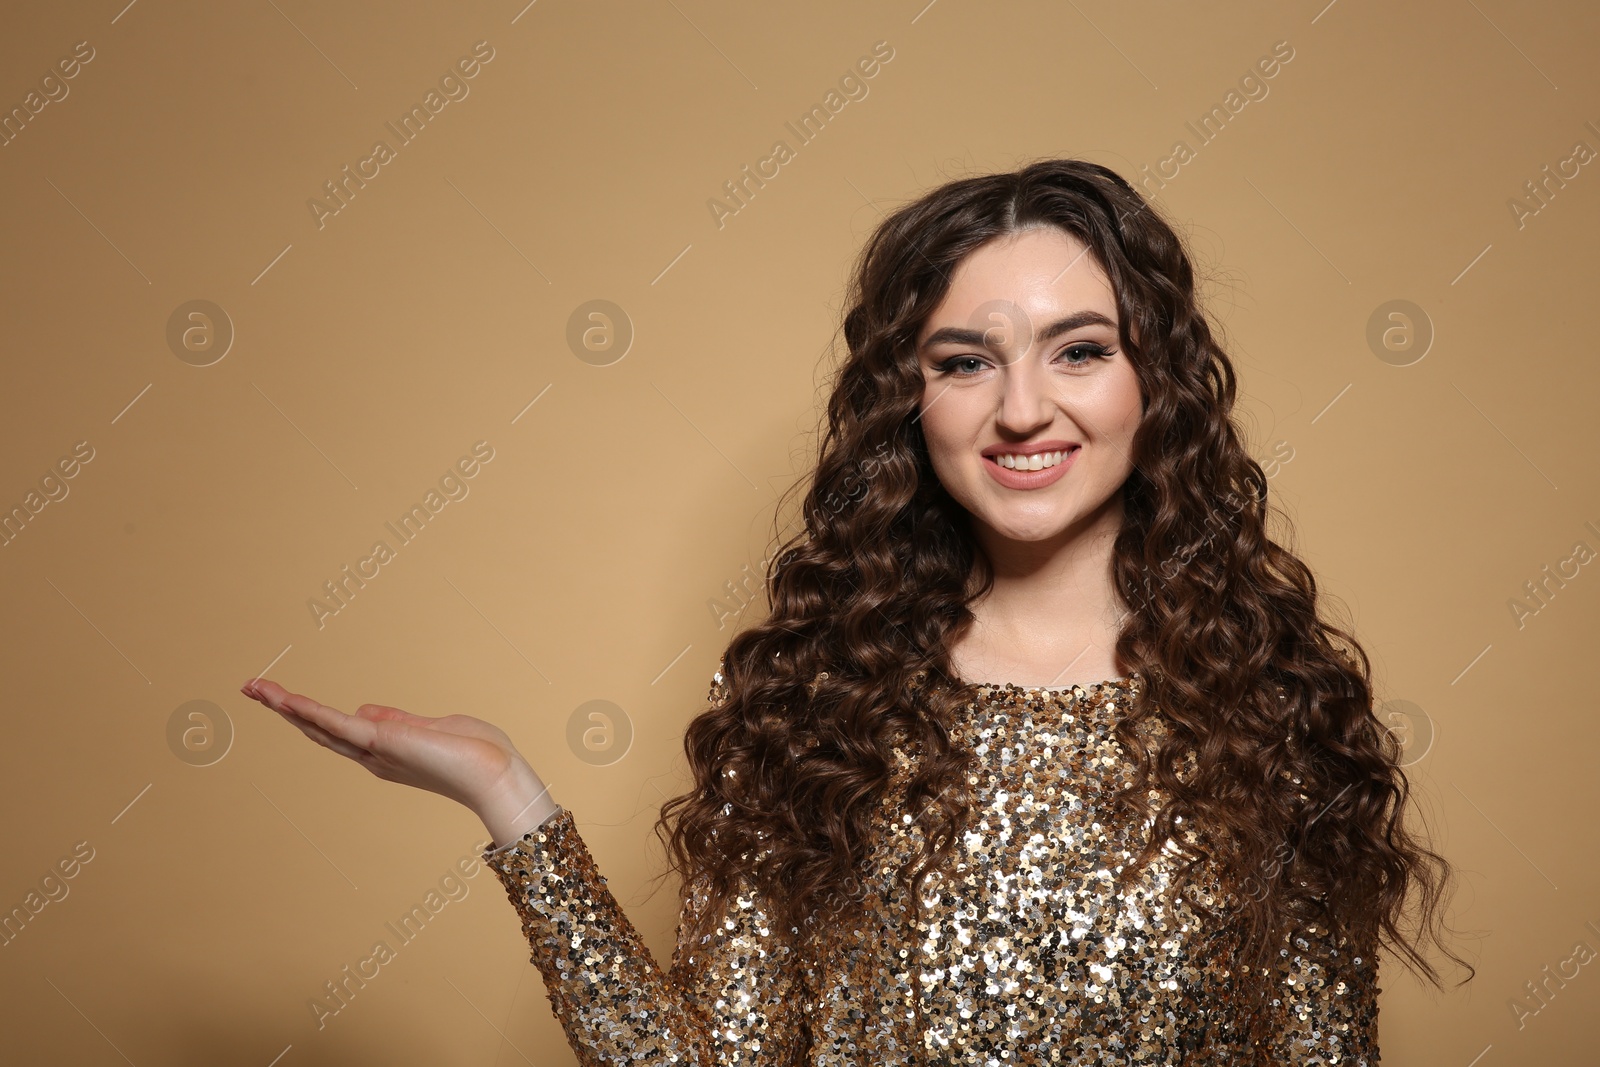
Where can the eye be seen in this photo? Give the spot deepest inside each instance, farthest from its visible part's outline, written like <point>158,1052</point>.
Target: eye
<point>1089,351</point>
<point>949,365</point>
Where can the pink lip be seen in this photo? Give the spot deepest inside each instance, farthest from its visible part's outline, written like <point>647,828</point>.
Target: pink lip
<point>1030,479</point>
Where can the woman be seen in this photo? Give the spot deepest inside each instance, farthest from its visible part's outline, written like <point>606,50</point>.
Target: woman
<point>908,840</point>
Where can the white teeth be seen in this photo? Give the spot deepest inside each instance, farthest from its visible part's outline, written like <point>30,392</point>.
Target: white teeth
<point>1036,462</point>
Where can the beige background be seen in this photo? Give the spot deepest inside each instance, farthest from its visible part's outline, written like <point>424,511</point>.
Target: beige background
<point>587,560</point>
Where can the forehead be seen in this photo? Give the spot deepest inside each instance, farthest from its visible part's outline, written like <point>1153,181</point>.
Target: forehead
<point>1045,271</point>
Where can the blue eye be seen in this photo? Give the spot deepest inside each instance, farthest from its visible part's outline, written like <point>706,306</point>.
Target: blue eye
<point>1087,349</point>
<point>950,364</point>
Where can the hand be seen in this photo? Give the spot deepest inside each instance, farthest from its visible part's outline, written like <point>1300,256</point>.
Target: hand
<point>457,756</point>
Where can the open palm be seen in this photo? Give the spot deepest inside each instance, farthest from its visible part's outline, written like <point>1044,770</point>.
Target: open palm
<point>457,756</point>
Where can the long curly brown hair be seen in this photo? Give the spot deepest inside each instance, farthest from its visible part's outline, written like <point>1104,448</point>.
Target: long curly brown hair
<point>1301,788</point>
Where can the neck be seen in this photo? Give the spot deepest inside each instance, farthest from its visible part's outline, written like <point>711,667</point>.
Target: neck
<point>1052,615</point>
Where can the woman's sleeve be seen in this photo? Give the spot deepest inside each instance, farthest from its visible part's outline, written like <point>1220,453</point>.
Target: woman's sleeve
<point>733,998</point>
<point>1325,1002</point>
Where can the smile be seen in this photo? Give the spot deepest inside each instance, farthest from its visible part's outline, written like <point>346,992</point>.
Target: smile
<point>1031,472</point>
<point>1035,462</point>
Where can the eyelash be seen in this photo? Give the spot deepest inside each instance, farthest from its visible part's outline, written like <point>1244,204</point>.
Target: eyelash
<point>1091,348</point>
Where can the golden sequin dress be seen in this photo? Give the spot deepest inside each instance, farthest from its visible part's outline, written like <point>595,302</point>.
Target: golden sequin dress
<point>1033,951</point>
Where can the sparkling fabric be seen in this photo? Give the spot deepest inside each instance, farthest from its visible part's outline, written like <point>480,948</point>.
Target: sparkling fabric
<point>1033,951</point>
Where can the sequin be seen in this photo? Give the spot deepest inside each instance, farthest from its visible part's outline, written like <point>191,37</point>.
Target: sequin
<point>1033,950</point>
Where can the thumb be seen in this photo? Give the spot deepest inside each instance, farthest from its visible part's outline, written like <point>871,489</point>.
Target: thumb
<point>384,713</point>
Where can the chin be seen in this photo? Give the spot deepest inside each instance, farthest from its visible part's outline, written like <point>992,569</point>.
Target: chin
<point>1043,530</point>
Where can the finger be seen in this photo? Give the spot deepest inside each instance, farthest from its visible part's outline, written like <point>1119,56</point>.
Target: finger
<point>259,688</point>
<point>281,699</point>
<point>384,713</point>
<point>325,739</point>
<point>351,728</point>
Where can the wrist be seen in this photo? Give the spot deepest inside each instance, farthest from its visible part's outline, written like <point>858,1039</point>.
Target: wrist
<point>517,805</point>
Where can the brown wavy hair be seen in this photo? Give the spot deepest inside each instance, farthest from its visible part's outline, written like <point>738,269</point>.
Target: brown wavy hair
<point>1301,788</point>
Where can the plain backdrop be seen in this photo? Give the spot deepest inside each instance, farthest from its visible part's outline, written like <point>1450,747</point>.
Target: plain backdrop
<point>1397,233</point>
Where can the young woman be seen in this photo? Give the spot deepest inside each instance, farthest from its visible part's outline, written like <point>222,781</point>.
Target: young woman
<point>1044,753</point>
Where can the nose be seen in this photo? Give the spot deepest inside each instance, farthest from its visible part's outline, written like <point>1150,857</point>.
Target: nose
<point>1026,398</point>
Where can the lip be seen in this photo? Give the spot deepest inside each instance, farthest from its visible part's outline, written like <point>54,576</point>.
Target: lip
<point>1030,479</point>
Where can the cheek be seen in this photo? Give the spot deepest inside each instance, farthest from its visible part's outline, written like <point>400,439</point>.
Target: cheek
<point>946,431</point>
<point>1130,414</point>
<point>950,417</point>
<point>1121,406</point>
<point>934,414</point>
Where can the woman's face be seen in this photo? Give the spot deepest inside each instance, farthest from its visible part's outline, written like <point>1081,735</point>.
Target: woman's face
<point>1022,362</point>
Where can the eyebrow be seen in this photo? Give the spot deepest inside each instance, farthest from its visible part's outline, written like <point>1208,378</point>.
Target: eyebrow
<point>962,336</point>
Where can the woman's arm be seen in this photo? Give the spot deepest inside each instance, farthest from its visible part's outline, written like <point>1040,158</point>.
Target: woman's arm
<point>734,999</point>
